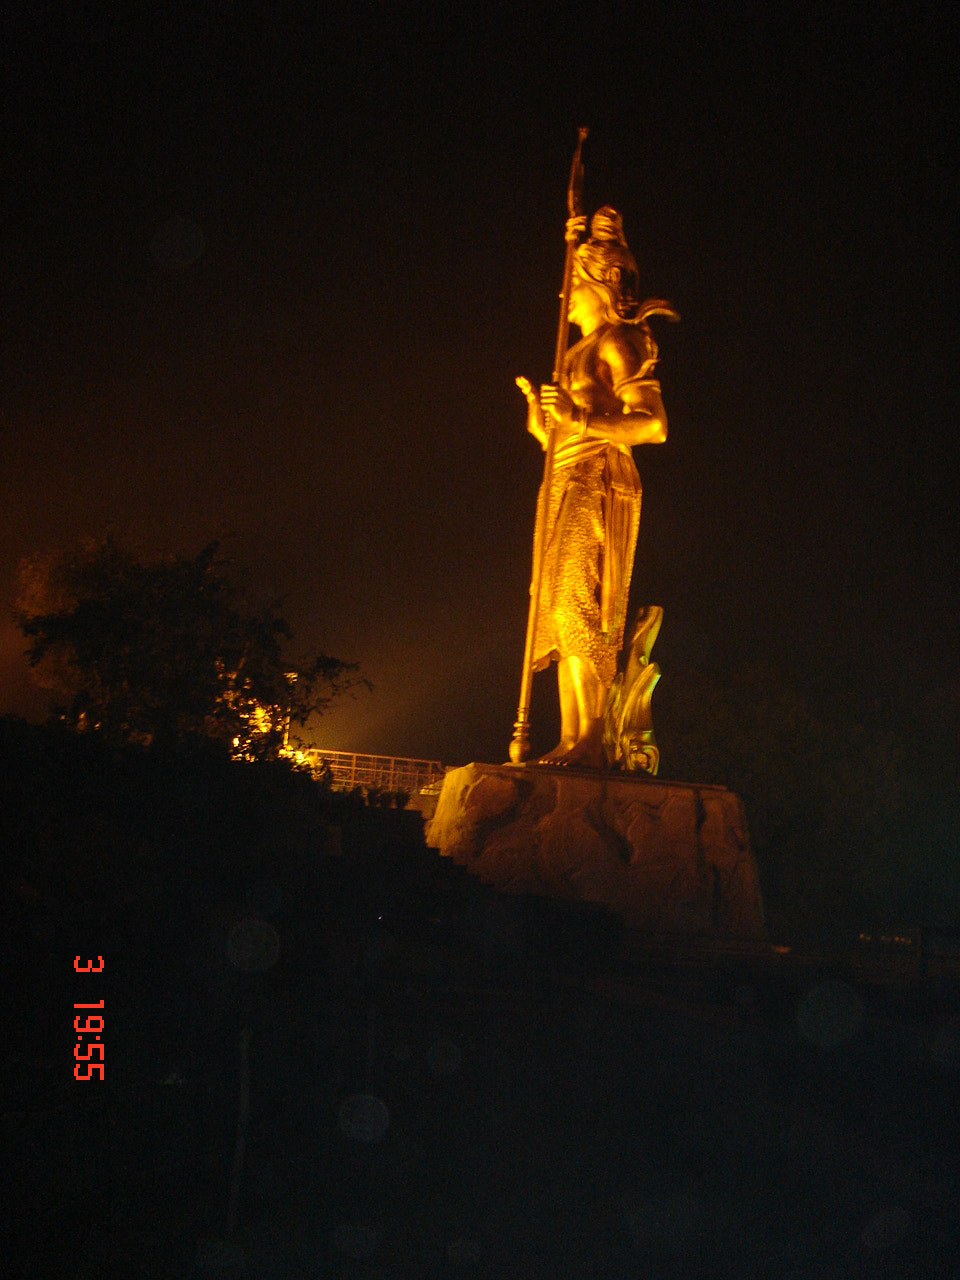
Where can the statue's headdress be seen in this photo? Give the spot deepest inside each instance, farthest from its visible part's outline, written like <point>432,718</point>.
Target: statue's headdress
<point>609,265</point>
<point>605,260</point>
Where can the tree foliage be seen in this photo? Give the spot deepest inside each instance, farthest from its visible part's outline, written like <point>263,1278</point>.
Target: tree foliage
<point>167,648</point>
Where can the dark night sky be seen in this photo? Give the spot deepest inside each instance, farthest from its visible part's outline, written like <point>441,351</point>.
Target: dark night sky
<point>328,383</point>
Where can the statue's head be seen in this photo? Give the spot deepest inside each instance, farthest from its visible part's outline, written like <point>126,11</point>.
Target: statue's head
<point>605,262</point>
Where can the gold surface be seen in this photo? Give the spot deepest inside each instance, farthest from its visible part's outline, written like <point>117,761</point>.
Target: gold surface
<point>628,740</point>
<point>605,402</point>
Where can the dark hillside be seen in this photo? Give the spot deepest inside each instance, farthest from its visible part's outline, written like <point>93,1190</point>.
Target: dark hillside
<point>432,1080</point>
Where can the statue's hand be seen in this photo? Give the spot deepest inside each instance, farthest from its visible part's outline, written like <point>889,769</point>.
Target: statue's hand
<point>526,386</point>
<point>576,226</point>
<point>557,406</point>
<point>534,416</point>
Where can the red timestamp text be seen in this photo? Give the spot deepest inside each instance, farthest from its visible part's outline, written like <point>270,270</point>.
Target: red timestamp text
<point>89,1048</point>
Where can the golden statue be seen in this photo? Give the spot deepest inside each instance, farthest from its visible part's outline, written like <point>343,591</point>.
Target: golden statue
<point>604,401</point>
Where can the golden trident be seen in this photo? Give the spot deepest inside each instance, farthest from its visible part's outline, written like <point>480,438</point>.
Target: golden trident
<point>520,742</point>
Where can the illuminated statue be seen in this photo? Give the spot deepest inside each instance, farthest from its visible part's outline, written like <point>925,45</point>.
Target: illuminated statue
<point>605,401</point>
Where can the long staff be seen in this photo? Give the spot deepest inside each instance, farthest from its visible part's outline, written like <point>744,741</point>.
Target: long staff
<point>520,742</point>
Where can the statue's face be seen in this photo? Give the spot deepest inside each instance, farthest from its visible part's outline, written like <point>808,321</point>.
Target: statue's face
<point>587,305</point>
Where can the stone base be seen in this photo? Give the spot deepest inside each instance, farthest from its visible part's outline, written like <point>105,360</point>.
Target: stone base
<point>670,858</point>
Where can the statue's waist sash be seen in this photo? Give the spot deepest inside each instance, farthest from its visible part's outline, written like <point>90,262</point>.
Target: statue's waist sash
<point>574,450</point>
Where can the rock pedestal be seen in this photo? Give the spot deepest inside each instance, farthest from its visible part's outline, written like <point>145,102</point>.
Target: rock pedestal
<point>670,858</point>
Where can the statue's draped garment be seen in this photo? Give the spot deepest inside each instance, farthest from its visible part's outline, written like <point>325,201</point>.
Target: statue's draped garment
<point>593,508</point>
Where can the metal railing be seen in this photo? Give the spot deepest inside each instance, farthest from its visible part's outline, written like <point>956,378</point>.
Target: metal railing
<point>389,773</point>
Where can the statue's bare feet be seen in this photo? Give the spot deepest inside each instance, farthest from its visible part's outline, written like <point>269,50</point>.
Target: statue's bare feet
<point>583,754</point>
<point>559,754</point>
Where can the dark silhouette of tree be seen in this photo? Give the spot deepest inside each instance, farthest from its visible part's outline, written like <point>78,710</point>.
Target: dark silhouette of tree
<point>848,807</point>
<point>168,648</point>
